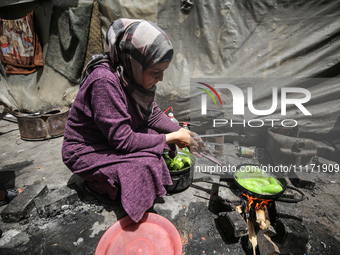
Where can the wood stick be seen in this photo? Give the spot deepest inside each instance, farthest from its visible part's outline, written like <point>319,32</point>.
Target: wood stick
<point>238,208</point>
<point>252,235</point>
<point>261,219</point>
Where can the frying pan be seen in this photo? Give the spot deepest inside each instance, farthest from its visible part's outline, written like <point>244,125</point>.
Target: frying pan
<point>276,175</point>
<point>277,196</point>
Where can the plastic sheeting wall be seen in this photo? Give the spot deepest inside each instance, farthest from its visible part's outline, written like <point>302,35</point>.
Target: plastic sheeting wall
<point>216,39</point>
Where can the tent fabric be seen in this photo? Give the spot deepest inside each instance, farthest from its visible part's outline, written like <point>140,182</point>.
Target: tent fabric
<point>220,39</point>
<point>69,35</point>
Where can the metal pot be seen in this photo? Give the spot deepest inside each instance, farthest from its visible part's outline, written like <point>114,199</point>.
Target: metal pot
<point>42,125</point>
<point>182,179</point>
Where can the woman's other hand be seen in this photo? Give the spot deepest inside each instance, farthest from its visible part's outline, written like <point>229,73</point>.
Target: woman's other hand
<point>181,138</point>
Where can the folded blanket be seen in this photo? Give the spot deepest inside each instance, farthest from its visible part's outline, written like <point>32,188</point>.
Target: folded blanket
<point>69,31</point>
<point>20,47</point>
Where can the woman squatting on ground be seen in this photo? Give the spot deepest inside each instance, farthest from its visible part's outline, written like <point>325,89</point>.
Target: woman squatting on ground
<point>116,133</point>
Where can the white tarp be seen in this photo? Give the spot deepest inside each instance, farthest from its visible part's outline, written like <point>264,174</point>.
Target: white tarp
<point>216,39</point>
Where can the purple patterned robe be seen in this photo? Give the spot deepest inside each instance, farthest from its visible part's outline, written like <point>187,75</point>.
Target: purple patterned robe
<point>106,142</point>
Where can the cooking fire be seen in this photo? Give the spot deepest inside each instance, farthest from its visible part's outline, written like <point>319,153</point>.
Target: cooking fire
<point>259,224</point>
<point>251,203</point>
<point>255,213</point>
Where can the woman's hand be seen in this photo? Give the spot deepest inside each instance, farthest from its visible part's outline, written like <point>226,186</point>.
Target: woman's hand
<point>181,138</point>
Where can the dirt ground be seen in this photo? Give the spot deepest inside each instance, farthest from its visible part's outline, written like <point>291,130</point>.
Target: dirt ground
<point>77,228</point>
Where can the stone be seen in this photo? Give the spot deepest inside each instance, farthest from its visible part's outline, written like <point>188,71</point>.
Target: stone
<point>289,193</point>
<point>265,245</point>
<point>227,200</point>
<point>21,206</point>
<point>303,180</point>
<point>54,200</point>
<point>292,236</point>
<point>229,196</point>
<point>234,223</point>
<point>288,210</point>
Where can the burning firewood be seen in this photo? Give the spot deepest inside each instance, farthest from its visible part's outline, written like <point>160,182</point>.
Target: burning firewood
<point>238,208</point>
<point>261,219</point>
<point>255,212</point>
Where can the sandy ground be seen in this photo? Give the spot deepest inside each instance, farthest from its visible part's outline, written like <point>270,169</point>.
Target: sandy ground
<point>77,228</point>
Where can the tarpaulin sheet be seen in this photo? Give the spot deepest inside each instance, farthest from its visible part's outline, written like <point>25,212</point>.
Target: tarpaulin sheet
<point>215,39</point>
